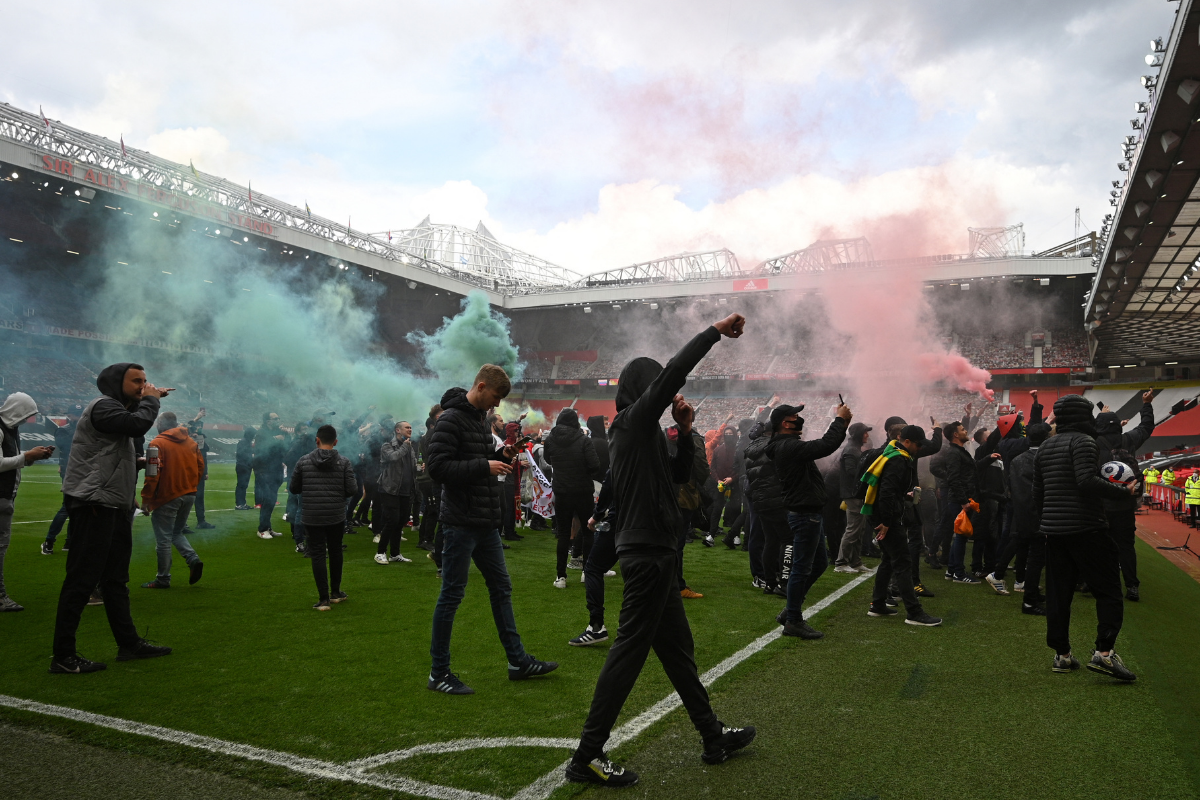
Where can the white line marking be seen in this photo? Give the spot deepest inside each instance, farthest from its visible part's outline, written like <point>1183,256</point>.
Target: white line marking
<point>545,785</point>
<point>356,771</point>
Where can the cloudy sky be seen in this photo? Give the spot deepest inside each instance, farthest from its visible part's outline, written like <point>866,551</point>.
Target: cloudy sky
<point>597,134</point>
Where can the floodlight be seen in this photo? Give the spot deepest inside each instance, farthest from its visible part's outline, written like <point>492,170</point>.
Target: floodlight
<point>15,176</point>
<point>1154,60</point>
<point>1156,45</point>
<point>1141,107</point>
<point>1149,81</point>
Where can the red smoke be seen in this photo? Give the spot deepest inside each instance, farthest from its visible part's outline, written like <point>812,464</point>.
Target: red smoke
<point>953,368</point>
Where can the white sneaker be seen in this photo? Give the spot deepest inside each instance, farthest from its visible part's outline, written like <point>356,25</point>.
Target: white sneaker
<point>275,533</point>
<point>610,574</point>
<point>376,539</point>
<point>997,585</point>
<point>380,558</point>
<point>560,583</point>
<point>737,541</point>
<point>400,558</point>
<point>845,568</point>
<point>862,568</point>
<point>264,534</point>
<point>582,579</point>
<point>1019,586</point>
<point>574,563</point>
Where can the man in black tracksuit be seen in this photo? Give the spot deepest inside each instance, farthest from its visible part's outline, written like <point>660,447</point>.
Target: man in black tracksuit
<point>890,515</point>
<point>805,495</point>
<point>1023,533</point>
<point>1067,490</point>
<point>602,558</point>
<point>652,614</point>
<point>912,517</point>
<point>1116,446</point>
<point>464,459</point>
<point>576,467</point>
<point>766,495</point>
<point>599,441</point>
<point>62,444</point>
<point>324,480</point>
<point>955,468</point>
<point>243,460</point>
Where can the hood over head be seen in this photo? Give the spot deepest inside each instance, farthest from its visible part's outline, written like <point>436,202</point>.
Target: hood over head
<point>1074,413</point>
<point>248,433</point>
<point>112,378</point>
<point>744,425</point>
<point>17,408</point>
<point>757,430</point>
<point>568,417</point>
<point>177,434</point>
<point>596,426</point>
<point>1108,422</point>
<point>635,379</point>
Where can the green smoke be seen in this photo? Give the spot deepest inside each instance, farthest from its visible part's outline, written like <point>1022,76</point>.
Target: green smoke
<point>476,336</point>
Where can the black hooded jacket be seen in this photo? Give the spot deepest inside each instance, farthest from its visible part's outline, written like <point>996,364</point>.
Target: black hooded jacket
<point>599,440</point>
<point>955,468</point>
<point>643,475</point>
<point>245,449</point>
<point>1066,474</point>
<point>1110,440</point>
<point>457,457</point>
<point>325,480</point>
<point>796,464</point>
<point>573,456</point>
<point>766,492</point>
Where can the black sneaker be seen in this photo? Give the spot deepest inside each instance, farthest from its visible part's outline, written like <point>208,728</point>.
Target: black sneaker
<point>194,572</point>
<point>1133,594</point>
<point>448,684</point>
<point>922,591</point>
<point>74,665</point>
<point>600,770</point>
<point>301,549</point>
<point>881,611</point>
<point>1110,665</point>
<point>47,549</point>
<point>1036,609</point>
<point>143,649</point>
<point>589,636</point>
<point>720,748</point>
<point>205,526</point>
<point>156,584</point>
<point>338,597</point>
<point>890,602</point>
<point>965,578</point>
<point>924,620</point>
<point>1063,664</point>
<point>531,669</point>
<point>802,630</point>
<point>781,617</point>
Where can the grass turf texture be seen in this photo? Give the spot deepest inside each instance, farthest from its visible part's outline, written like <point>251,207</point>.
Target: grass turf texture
<point>837,718</point>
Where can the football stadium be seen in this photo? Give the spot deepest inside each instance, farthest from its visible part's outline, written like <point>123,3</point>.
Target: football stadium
<point>297,348</point>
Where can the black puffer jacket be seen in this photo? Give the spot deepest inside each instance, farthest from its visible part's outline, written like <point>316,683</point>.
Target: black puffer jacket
<point>1110,440</point>
<point>460,448</point>
<point>795,464</point>
<point>1025,520</point>
<point>599,440</point>
<point>766,492</point>
<point>324,480</point>
<point>1067,487</point>
<point>955,468</point>
<point>573,456</point>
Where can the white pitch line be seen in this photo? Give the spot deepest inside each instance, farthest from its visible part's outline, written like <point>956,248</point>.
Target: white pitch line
<point>355,771</point>
<point>545,785</point>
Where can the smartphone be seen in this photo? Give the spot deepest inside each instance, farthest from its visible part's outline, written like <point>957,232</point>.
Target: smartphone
<point>841,402</point>
<point>524,440</point>
<point>50,447</point>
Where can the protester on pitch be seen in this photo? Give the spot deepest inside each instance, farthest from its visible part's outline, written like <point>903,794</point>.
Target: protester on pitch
<point>770,511</point>
<point>601,559</point>
<point>294,511</point>
<point>599,441</point>
<point>325,481</point>
<point>652,613</point>
<point>955,467</point>
<point>1023,535</point>
<point>202,447</point>
<point>62,445</point>
<point>850,552</point>
<point>1067,490</point>
<point>168,498</point>
<point>889,510</point>
<point>18,407</point>
<point>722,467</point>
<point>913,525</point>
<point>689,496</point>
<point>243,465</point>
<point>464,458</point>
<point>512,482</point>
<point>576,467</point>
<point>99,491</point>
<point>269,446</point>
<point>432,493</point>
<point>394,491</point>
<point>804,493</point>
<point>1113,445</point>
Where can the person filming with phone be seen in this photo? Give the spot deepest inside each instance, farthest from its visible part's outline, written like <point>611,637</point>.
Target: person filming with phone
<point>18,408</point>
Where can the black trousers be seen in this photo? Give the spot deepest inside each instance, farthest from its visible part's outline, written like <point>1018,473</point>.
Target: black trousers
<point>323,539</point>
<point>1122,527</point>
<point>600,561</point>
<point>429,518</point>
<point>777,535</point>
<point>391,513</point>
<point>916,544</point>
<point>715,512</point>
<point>508,507</point>
<point>243,481</point>
<point>652,617</point>
<point>368,509</point>
<point>1091,557</point>
<point>101,544</point>
<point>1033,548</point>
<point>895,562</point>
<point>567,508</point>
<point>983,543</point>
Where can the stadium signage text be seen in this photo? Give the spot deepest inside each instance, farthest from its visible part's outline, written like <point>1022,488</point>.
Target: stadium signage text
<point>114,182</point>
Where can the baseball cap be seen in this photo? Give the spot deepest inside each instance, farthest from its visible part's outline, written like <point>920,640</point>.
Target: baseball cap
<point>887,426</point>
<point>857,429</point>
<point>782,412</point>
<point>914,433</point>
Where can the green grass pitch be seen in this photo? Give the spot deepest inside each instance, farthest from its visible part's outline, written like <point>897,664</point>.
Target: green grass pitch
<point>876,709</point>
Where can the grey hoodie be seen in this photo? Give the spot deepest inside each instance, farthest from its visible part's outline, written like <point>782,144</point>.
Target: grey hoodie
<point>17,408</point>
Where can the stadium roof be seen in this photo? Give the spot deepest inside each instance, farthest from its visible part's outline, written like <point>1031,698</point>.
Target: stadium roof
<point>1143,303</point>
<point>460,259</point>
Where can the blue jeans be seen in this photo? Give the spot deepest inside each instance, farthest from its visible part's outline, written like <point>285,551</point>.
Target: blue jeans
<point>295,515</point>
<point>460,547</point>
<point>809,559</point>
<point>168,521</point>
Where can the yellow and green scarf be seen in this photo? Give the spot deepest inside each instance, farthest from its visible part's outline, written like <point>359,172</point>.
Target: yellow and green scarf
<point>871,476</point>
